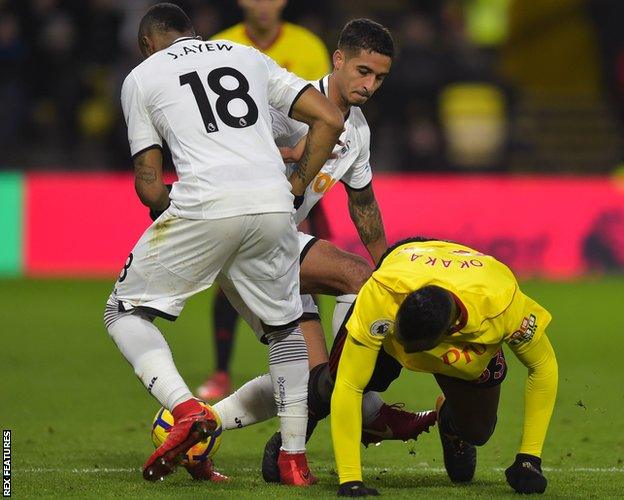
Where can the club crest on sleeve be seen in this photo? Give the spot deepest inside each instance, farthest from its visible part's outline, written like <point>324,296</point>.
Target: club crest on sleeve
<point>381,327</point>
<point>525,332</point>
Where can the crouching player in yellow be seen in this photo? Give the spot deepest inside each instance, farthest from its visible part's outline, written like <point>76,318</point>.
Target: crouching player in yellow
<point>443,308</point>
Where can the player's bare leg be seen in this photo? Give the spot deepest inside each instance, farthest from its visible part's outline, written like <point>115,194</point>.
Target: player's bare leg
<point>328,270</point>
<point>315,340</point>
<point>466,419</point>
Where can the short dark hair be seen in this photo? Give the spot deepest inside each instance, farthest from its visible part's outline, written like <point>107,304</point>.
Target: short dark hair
<point>366,35</point>
<point>424,315</point>
<point>165,17</point>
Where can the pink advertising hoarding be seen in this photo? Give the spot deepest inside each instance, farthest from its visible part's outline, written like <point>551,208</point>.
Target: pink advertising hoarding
<point>86,224</point>
<point>557,227</point>
<point>80,224</point>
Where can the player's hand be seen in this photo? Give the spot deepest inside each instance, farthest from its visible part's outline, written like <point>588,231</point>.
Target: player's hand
<point>356,489</point>
<point>292,155</point>
<point>153,213</point>
<point>525,474</point>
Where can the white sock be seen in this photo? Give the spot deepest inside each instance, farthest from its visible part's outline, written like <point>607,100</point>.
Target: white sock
<point>288,365</point>
<point>145,348</point>
<point>371,404</point>
<point>252,403</point>
<point>343,304</point>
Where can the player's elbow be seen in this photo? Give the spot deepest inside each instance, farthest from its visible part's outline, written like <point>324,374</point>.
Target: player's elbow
<point>333,119</point>
<point>328,115</point>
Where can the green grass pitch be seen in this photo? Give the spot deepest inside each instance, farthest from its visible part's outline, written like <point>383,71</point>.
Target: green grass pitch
<point>80,419</point>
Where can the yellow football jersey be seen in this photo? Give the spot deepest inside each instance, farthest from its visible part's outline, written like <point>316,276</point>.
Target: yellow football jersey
<point>295,48</point>
<point>494,309</point>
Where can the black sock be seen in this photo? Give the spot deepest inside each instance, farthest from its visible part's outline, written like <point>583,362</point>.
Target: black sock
<point>320,387</point>
<point>225,317</point>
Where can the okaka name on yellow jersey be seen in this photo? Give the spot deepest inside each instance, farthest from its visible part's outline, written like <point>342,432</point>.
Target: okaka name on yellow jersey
<point>494,309</point>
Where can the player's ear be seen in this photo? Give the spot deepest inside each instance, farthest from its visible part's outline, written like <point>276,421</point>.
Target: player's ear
<point>145,46</point>
<point>338,58</point>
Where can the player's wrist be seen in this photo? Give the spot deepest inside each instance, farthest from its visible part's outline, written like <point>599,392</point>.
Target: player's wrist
<point>163,203</point>
<point>525,474</point>
<point>532,459</point>
<point>298,201</point>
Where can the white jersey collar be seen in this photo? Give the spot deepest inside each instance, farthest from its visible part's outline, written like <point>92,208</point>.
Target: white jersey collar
<point>323,86</point>
<point>185,38</point>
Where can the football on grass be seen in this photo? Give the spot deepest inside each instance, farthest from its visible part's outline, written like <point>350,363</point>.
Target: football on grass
<point>163,422</point>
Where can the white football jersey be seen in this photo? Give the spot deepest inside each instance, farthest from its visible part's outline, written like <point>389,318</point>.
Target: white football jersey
<point>352,166</point>
<point>209,100</point>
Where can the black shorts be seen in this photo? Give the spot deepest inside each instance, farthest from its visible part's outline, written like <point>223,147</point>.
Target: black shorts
<point>494,373</point>
<point>387,368</point>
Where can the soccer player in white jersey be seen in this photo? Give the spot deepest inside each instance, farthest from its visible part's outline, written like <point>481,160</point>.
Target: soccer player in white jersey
<point>361,62</point>
<point>229,217</point>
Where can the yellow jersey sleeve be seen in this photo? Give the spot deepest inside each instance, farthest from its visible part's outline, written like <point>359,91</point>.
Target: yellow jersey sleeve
<point>373,315</point>
<point>355,369</point>
<point>525,324</point>
<point>540,392</point>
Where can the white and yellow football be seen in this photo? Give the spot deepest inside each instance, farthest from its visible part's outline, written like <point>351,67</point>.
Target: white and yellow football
<point>163,422</point>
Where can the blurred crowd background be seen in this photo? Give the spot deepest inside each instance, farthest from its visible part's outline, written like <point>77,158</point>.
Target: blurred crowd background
<point>477,85</point>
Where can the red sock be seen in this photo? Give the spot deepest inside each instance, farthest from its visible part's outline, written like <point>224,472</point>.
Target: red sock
<point>188,407</point>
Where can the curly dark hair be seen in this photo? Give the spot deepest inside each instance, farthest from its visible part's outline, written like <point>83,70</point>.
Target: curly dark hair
<point>366,35</point>
<point>424,315</point>
<point>165,17</point>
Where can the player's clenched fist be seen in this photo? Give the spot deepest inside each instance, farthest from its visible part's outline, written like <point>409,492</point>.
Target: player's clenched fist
<point>356,489</point>
<point>525,474</point>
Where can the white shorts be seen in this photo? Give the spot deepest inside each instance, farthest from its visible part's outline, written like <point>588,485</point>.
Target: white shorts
<point>257,255</point>
<point>305,243</point>
<point>309,306</point>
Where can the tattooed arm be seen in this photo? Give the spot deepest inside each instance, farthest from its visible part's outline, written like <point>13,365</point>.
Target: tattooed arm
<point>326,122</point>
<point>148,179</point>
<point>366,218</point>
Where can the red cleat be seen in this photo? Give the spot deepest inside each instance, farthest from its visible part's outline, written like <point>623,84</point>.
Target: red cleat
<point>193,423</point>
<point>216,387</point>
<point>294,470</point>
<point>395,423</point>
<point>204,471</point>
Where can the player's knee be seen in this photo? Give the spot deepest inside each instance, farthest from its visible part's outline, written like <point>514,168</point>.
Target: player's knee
<point>277,331</point>
<point>359,270</point>
<point>475,430</point>
<point>479,433</point>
